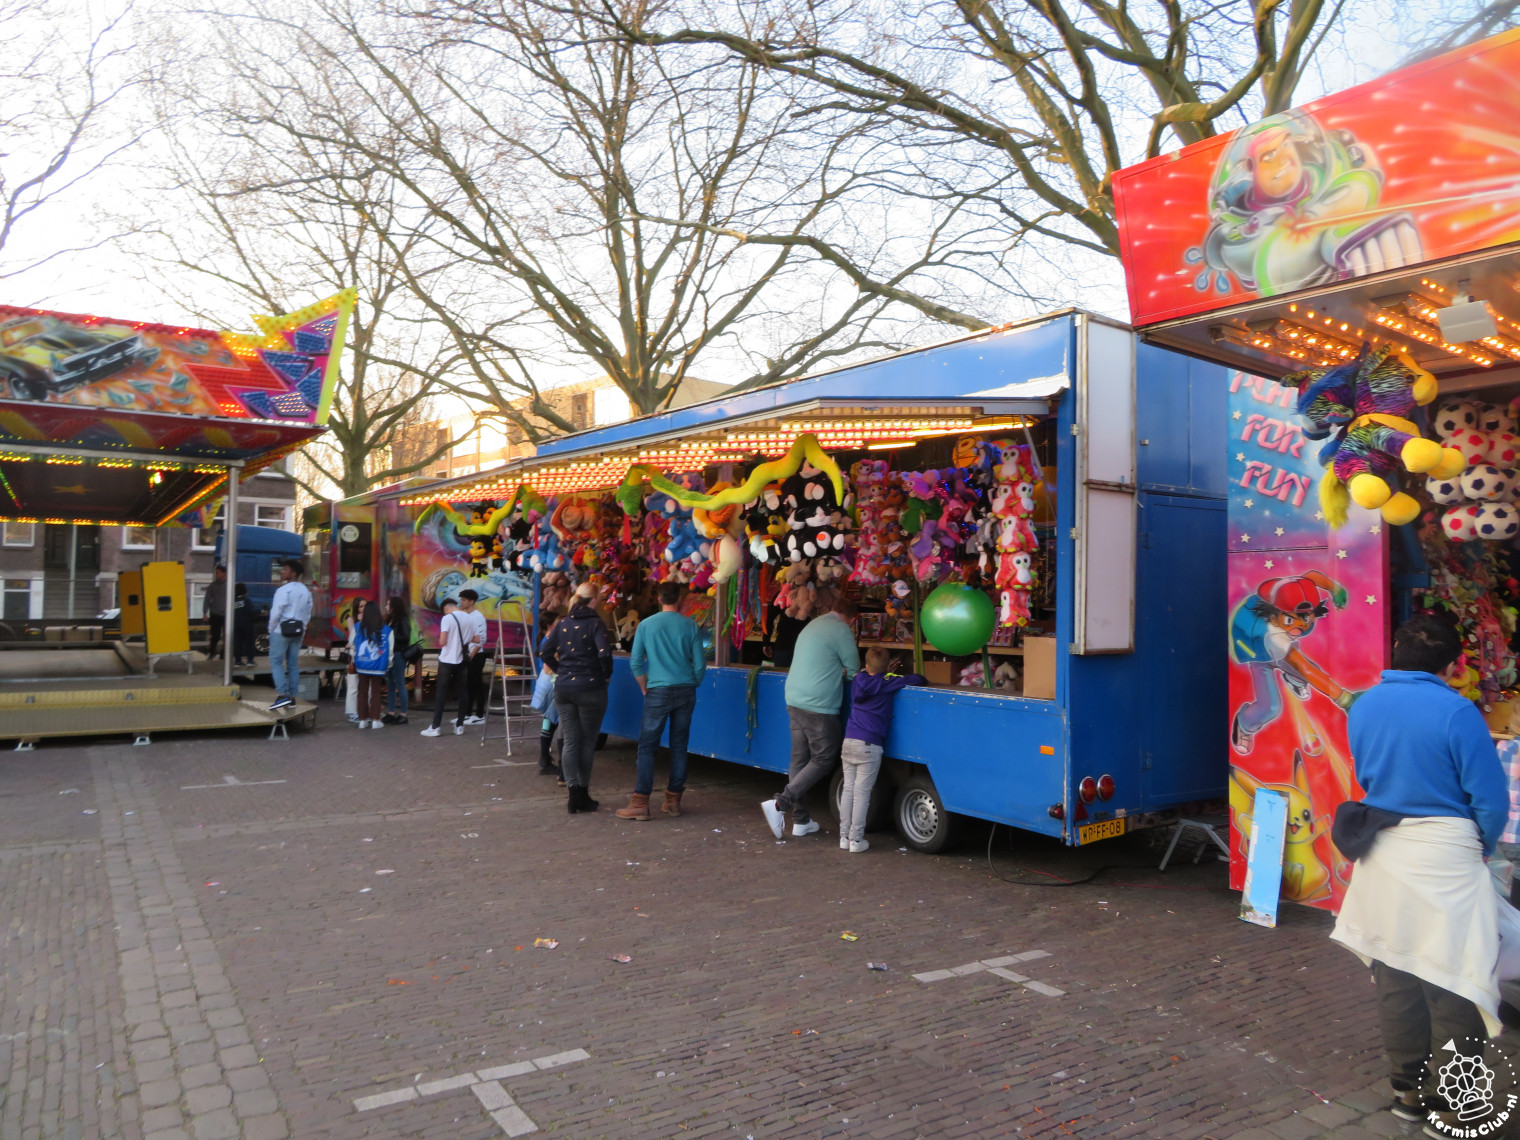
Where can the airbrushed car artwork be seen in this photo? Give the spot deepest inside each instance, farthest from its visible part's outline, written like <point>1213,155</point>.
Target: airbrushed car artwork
<point>42,355</point>
<point>1293,205</point>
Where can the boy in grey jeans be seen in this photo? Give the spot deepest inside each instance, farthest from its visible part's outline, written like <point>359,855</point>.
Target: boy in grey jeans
<point>871,694</point>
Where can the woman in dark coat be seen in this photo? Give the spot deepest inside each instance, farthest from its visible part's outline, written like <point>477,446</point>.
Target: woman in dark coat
<point>580,653</point>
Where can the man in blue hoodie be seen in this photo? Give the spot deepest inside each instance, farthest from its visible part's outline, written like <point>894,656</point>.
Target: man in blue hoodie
<point>1419,897</point>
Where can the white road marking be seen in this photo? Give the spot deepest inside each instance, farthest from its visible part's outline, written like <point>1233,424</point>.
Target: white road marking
<point>996,966</point>
<point>229,782</point>
<point>505,764</point>
<point>487,1087</point>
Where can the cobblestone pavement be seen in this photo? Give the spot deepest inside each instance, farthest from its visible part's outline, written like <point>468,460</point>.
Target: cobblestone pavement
<point>223,937</point>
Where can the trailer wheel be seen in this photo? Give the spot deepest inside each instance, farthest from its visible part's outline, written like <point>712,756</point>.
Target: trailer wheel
<point>920,815</point>
<point>877,811</point>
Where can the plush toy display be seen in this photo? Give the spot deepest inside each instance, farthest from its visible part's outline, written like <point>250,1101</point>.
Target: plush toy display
<point>1362,410</point>
<point>478,553</point>
<point>1479,501</point>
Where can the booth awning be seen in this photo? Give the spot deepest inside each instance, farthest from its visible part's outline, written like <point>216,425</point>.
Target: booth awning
<point>985,382</point>
<point>113,421</point>
<point>1389,212</point>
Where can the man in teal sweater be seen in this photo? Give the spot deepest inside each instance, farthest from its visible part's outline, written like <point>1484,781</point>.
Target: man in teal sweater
<point>824,659</point>
<point>668,663</point>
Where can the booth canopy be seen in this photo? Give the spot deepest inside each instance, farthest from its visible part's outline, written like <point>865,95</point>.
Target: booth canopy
<point>985,382</point>
<point>1363,216</point>
<point>115,421</point>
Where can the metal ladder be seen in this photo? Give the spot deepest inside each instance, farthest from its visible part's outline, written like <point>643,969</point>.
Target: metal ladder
<point>514,671</point>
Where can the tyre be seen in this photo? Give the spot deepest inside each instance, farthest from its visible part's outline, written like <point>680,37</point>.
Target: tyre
<point>878,811</point>
<point>920,815</point>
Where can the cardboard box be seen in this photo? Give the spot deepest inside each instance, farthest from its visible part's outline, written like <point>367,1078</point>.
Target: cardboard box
<point>939,672</point>
<point>1040,668</point>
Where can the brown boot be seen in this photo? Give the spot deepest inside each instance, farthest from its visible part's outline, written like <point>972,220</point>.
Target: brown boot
<point>638,808</point>
<point>672,804</point>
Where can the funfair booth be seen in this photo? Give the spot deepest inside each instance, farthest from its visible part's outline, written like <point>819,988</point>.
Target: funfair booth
<point>1355,263</point>
<point>1032,517</point>
<point>138,424</point>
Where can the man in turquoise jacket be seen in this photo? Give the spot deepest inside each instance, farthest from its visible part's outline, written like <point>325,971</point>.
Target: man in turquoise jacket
<point>668,663</point>
<point>824,659</point>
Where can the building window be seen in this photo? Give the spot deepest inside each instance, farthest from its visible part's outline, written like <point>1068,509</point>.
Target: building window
<point>17,601</point>
<point>20,534</point>
<point>276,518</point>
<point>580,411</point>
<point>204,537</point>
<point>137,538</point>
<point>197,589</point>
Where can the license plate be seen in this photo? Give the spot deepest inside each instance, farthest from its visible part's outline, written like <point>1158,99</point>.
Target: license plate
<point>1108,829</point>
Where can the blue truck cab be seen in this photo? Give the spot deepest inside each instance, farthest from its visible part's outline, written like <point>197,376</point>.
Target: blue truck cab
<point>260,552</point>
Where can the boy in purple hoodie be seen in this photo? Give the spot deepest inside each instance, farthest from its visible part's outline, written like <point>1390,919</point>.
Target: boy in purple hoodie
<point>871,696</point>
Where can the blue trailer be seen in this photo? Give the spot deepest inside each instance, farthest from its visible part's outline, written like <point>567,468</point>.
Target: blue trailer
<point>1129,735</point>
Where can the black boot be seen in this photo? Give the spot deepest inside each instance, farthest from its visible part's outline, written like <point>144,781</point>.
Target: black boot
<point>574,802</point>
<point>545,758</point>
<point>587,803</point>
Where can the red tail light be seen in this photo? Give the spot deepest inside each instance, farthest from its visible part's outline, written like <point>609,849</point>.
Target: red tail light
<point>1105,788</point>
<point>1088,789</point>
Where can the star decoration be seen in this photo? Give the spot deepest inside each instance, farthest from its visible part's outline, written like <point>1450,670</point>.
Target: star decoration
<point>1279,532</point>
<point>1248,504</point>
<point>1240,457</point>
<point>1375,528</point>
<point>1371,601</point>
<point>1268,564</point>
<point>1319,516</point>
<point>1245,538</point>
<point>1340,554</point>
<point>1235,415</point>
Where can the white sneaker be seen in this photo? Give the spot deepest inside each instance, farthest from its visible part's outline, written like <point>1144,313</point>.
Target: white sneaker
<point>431,731</point>
<point>844,843</point>
<point>459,730</point>
<point>364,724</point>
<point>775,817</point>
<point>377,724</point>
<point>474,720</point>
<point>858,845</point>
<point>801,829</point>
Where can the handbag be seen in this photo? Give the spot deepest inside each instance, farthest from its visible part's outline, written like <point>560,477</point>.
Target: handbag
<point>413,653</point>
<point>290,627</point>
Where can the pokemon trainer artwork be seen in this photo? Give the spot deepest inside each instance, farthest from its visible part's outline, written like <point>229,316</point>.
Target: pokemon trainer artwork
<point>1265,634</point>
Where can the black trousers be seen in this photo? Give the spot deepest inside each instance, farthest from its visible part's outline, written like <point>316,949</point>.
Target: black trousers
<point>456,677</point>
<point>1417,1019</point>
<point>478,684</point>
<point>217,624</point>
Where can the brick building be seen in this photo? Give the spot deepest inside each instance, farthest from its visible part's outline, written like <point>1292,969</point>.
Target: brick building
<point>63,572</point>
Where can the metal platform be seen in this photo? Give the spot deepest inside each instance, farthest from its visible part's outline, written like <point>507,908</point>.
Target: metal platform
<point>99,692</point>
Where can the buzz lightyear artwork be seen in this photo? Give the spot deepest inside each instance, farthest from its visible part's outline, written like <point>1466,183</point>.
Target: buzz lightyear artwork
<point>1266,634</point>
<point>1293,205</point>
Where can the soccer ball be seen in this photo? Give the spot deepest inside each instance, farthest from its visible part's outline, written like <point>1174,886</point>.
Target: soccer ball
<point>1461,523</point>
<point>1496,522</point>
<point>1472,444</point>
<point>1484,482</point>
<point>1503,449</point>
<point>1452,417</point>
<point>1492,418</point>
<point>1446,492</point>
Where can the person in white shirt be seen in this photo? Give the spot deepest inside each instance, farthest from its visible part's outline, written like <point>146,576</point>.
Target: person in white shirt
<point>452,639</point>
<point>475,654</point>
<point>289,615</point>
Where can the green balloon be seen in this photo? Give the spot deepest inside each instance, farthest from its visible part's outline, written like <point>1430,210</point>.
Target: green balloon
<point>958,619</point>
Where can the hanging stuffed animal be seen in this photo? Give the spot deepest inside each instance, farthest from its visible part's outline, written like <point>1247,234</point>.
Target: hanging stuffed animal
<point>1362,409</point>
<point>499,553</point>
<point>478,554</point>
<point>764,522</point>
<point>721,548</point>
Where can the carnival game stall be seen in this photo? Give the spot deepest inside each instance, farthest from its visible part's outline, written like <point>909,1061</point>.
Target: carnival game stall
<point>1031,517</point>
<point>1356,263</point>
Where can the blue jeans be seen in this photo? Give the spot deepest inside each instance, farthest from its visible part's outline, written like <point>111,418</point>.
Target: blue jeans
<point>395,685</point>
<point>285,663</point>
<point>675,703</point>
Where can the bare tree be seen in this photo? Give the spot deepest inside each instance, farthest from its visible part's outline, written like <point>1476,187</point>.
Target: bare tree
<point>1460,24</point>
<point>249,229</point>
<point>589,202</point>
<point>60,78</point>
<point>1017,112</point>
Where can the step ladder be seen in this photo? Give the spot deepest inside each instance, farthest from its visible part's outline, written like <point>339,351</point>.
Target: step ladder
<point>514,671</point>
